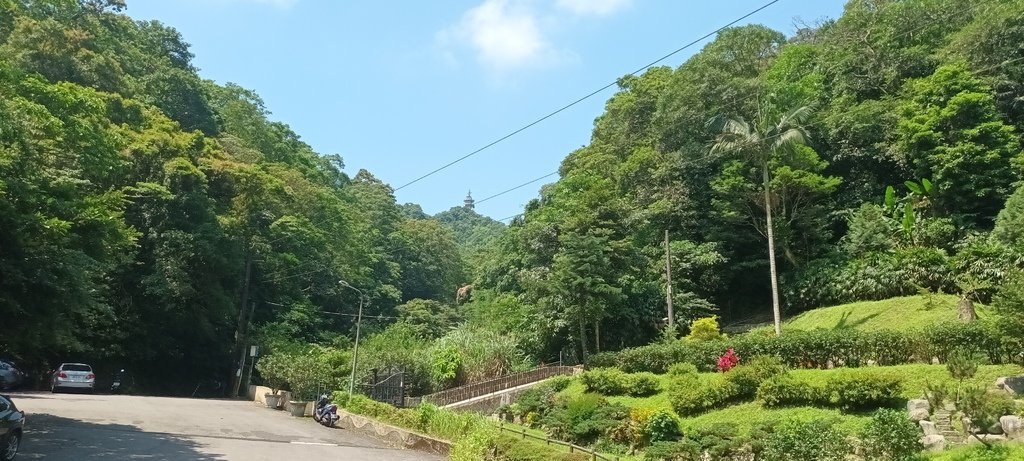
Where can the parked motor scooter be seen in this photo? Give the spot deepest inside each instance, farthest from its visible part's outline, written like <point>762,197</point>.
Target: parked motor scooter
<point>325,412</point>
<point>121,382</point>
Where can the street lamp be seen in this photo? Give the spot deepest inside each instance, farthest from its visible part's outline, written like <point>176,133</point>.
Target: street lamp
<point>355,349</point>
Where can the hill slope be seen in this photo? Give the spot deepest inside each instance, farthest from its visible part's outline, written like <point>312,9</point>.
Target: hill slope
<point>888,314</point>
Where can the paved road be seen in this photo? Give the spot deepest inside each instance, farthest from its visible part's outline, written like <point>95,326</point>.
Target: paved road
<point>77,426</point>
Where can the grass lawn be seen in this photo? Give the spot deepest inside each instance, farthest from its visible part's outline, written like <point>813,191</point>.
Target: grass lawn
<point>1010,451</point>
<point>890,314</point>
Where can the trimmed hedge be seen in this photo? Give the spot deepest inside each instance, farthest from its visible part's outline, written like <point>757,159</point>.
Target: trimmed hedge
<point>692,394</point>
<point>613,381</point>
<point>822,348</point>
<point>786,390</point>
<point>847,391</point>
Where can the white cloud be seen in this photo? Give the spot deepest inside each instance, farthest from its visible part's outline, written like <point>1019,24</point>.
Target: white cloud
<point>505,34</point>
<point>592,7</point>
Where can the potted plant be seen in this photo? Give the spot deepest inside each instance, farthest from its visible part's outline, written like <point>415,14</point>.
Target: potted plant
<point>308,373</point>
<point>273,369</point>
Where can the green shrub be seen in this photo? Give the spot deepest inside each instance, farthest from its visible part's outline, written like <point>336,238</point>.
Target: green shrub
<point>642,384</point>
<point>445,366</point>
<point>673,451</point>
<point>704,329</point>
<point>816,440</point>
<point>582,419</point>
<point>559,383</point>
<point>747,377</point>
<point>682,369</point>
<point>785,390</point>
<point>984,407</point>
<point>537,399</point>
<point>890,436</point>
<point>936,394</point>
<point>694,394</point>
<point>475,445</point>
<point>721,441</point>
<point>859,392</point>
<point>661,426</point>
<point>273,369</point>
<point>425,413</point>
<point>602,360</point>
<point>604,381</point>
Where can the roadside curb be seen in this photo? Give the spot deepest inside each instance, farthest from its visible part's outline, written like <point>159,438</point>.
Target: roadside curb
<point>395,436</point>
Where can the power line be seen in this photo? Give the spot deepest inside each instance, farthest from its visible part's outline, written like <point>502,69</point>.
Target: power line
<point>588,96</point>
<point>969,10</point>
<point>517,187</point>
<point>511,217</point>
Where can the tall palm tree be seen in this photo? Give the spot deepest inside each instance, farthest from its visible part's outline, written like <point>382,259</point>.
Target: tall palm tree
<point>761,141</point>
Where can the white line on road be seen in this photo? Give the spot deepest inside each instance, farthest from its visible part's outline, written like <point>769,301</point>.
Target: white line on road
<point>315,443</point>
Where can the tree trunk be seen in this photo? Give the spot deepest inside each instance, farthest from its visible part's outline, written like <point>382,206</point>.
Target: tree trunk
<point>583,340</point>
<point>966,310</point>
<point>597,336</point>
<point>771,252</point>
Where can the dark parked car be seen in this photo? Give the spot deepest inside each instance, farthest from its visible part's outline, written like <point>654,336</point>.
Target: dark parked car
<point>12,424</point>
<point>10,375</point>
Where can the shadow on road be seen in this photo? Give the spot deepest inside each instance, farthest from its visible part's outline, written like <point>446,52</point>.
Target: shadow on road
<point>57,438</point>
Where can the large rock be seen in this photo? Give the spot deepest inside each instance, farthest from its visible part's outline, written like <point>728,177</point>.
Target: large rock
<point>1014,385</point>
<point>1013,427</point>
<point>933,443</point>
<point>928,427</point>
<point>988,438</point>
<point>918,409</point>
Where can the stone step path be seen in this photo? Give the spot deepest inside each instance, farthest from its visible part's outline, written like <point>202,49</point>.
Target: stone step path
<point>942,420</point>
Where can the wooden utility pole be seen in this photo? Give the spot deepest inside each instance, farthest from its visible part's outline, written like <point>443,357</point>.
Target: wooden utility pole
<point>668,285</point>
<point>240,330</point>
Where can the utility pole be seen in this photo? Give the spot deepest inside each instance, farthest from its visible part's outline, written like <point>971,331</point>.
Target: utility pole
<point>668,276</point>
<point>236,378</point>
<point>355,348</point>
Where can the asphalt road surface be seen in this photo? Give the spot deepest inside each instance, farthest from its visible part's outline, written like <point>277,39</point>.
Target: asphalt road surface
<point>85,427</point>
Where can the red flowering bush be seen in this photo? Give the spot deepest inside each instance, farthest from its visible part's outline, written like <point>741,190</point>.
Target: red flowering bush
<point>727,361</point>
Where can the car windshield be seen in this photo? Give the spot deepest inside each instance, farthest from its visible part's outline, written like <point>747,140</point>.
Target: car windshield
<point>76,367</point>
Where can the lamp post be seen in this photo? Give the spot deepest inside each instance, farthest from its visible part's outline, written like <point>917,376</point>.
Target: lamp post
<point>355,349</point>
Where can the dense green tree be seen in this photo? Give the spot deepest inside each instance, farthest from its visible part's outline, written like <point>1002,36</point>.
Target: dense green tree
<point>950,131</point>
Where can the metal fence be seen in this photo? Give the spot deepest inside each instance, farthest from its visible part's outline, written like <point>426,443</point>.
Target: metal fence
<point>388,390</point>
<point>469,391</point>
<point>594,456</point>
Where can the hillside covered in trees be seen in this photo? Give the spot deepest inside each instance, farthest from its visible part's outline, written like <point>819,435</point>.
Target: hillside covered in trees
<point>142,208</point>
<point>920,98</point>
<point>146,214</point>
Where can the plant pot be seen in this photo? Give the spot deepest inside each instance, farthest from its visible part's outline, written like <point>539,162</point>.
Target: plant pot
<point>272,400</point>
<point>297,409</point>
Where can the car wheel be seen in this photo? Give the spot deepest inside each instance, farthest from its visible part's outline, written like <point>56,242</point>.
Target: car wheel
<point>10,449</point>
<point>53,388</point>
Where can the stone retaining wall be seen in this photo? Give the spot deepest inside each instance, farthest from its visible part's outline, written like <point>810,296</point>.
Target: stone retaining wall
<point>394,436</point>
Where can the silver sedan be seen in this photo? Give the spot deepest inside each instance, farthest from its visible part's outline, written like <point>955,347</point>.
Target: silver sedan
<point>73,376</point>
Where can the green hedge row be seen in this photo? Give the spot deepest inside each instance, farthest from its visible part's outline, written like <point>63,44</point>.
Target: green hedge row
<point>612,381</point>
<point>821,348</point>
<point>691,393</point>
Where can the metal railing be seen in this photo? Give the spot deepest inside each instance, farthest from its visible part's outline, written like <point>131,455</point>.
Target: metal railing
<point>594,456</point>
<point>469,391</point>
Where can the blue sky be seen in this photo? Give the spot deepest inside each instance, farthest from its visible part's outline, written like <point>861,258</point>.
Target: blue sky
<point>403,87</point>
